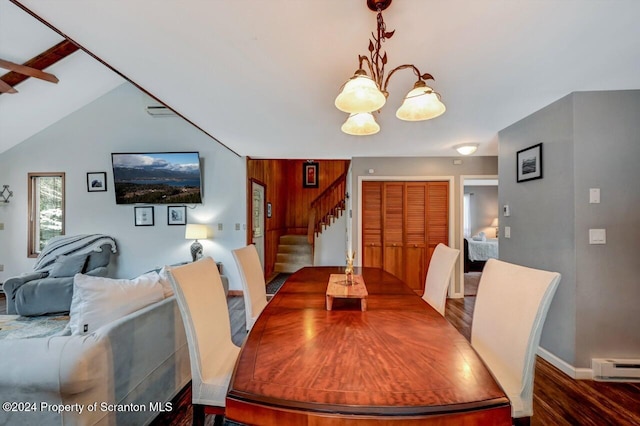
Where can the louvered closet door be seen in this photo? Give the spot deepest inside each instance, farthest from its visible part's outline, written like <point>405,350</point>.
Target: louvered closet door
<point>393,228</point>
<point>437,216</point>
<point>415,224</point>
<point>372,224</point>
<point>402,223</point>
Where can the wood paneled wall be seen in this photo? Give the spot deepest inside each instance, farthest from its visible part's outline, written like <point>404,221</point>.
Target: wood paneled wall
<point>289,200</point>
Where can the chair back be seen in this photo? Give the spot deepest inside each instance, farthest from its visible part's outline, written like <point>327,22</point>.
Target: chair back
<point>439,276</point>
<point>203,306</point>
<point>254,288</point>
<point>508,317</point>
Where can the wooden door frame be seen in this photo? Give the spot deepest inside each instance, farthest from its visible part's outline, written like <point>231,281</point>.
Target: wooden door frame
<point>250,183</point>
<point>451,221</point>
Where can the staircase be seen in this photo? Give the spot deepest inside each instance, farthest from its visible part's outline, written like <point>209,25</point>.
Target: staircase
<point>327,207</point>
<point>294,252</point>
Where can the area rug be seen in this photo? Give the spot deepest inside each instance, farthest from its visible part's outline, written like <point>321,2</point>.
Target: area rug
<point>275,284</point>
<point>471,281</point>
<point>17,327</point>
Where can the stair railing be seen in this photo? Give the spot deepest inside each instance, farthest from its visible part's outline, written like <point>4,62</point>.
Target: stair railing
<point>327,207</point>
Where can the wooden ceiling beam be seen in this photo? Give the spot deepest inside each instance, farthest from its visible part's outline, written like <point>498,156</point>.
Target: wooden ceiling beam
<point>42,61</point>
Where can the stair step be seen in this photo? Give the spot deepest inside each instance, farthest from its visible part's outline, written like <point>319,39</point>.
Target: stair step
<point>289,268</point>
<point>298,249</point>
<point>302,258</point>
<point>294,239</point>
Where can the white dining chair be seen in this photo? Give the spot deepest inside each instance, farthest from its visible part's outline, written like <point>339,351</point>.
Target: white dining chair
<point>254,288</point>
<point>203,306</point>
<point>508,317</point>
<point>438,276</point>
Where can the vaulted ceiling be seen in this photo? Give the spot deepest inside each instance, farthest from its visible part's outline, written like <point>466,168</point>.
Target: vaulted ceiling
<point>262,76</point>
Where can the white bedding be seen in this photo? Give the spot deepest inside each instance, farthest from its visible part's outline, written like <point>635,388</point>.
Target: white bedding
<point>483,250</point>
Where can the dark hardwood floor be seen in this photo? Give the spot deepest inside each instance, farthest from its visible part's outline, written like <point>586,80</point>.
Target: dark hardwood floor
<point>558,400</point>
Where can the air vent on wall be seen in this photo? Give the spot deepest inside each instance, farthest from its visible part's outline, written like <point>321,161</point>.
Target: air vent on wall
<point>160,111</point>
<point>616,370</point>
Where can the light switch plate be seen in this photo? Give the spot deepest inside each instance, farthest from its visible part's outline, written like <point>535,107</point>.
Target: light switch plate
<point>507,232</point>
<point>594,195</point>
<point>597,236</point>
<point>506,211</point>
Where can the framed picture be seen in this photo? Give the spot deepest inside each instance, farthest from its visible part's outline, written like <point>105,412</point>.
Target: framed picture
<point>143,216</point>
<point>529,163</point>
<point>176,215</point>
<point>309,175</point>
<point>268,209</point>
<point>97,181</point>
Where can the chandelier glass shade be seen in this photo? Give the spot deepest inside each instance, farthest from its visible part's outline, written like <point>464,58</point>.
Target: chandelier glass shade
<point>360,124</point>
<point>421,103</point>
<point>366,93</point>
<point>360,94</point>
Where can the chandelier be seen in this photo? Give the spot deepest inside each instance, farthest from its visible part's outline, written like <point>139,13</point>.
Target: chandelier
<point>365,93</point>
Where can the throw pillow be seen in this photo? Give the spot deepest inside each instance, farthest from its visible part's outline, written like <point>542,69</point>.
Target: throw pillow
<point>98,301</point>
<point>67,266</point>
<point>165,282</point>
<point>99,258</point>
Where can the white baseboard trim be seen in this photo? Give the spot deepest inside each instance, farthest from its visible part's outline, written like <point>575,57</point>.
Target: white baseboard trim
<point>565,367</point>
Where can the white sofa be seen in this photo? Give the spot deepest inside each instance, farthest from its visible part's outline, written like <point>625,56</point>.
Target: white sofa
<point>123,373</point>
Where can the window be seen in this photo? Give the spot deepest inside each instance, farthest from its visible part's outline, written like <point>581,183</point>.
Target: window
<point>46,209</point>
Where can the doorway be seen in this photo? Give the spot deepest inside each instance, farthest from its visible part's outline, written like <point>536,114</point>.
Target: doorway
<point>257,208</point>
<point>479,219</point>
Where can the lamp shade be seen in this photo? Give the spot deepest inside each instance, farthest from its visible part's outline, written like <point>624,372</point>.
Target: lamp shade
<point>360,94</point>
<point>361,124</point>
<point>494,223</point>
<point>421,103</point>
<point>466,148</point>
<point>195,232</point>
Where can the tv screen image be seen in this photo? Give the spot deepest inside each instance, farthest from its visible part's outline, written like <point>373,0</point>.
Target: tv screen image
<point>157,178</point>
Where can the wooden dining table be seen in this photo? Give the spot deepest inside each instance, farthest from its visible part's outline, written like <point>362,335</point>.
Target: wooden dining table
<point>397,362</point>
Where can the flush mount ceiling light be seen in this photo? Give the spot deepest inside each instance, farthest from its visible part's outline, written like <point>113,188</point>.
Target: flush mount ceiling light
<point>364,93</point>
<point>466,148</point>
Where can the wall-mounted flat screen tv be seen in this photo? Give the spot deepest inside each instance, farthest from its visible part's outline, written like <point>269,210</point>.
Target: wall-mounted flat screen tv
<point>157,178</point>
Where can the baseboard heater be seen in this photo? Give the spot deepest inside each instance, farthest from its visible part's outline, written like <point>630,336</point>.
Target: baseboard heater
<point>616,370</point>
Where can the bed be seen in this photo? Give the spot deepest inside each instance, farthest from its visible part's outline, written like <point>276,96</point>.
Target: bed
<point>476,253</point>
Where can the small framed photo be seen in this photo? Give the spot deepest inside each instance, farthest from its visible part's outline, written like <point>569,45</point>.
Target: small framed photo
<point>309,175</point>
<point>143,216</point>
<point>529,163</point>
<point>176,215</point>
<point>268,209</point>
<point>97,181</point>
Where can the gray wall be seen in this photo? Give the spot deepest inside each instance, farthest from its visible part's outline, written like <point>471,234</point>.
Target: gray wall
<point>589,140</point>
<point>607,156</point>
<point>420,166</point>
<point>83,142</point>
<point>484,208</point>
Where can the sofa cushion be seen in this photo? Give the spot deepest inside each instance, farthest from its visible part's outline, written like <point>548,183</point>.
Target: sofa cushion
<point>68,266</point>
<point>98,301</point>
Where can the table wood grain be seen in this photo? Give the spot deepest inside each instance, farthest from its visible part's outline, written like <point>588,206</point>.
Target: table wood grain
<point>399,362</point>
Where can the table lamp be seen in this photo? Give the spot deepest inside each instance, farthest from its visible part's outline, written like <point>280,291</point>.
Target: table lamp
<point>495,225</point>
<point>195,232</point>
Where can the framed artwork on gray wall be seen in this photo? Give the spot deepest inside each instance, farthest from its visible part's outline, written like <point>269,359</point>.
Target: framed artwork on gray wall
<point>143,216</point>
<point>529,163</point>
<point>176,215</point>
<point>97,181</point>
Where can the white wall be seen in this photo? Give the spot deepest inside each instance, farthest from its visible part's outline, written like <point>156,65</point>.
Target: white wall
<point>83,142</point>
<point>331,244</point>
